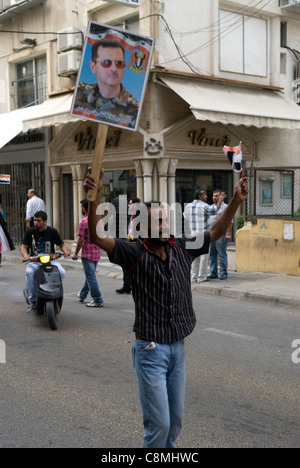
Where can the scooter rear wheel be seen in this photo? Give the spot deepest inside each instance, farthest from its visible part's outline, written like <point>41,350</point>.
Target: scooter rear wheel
<point>51,314</point>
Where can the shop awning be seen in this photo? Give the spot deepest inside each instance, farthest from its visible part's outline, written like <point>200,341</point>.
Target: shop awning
<point>54,111</point>
<point>236,105</point>
<point>11,124</point>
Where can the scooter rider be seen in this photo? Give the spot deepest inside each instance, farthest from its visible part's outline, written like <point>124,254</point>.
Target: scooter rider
<point>40,239</point>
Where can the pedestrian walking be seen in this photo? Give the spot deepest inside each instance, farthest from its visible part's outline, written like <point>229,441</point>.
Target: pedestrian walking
<point>34,204</point>
<point>159,268</point>
<point>90,257</point>
<point>218,249</point>
<point>197,215</point>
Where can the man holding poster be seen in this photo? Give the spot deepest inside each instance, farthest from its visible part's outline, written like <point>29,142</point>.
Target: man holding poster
<point>116,60</point>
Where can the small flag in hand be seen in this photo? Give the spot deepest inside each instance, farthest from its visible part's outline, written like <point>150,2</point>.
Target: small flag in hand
<point>235,156</point>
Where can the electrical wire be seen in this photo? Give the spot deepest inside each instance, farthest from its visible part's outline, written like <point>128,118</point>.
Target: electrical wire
<point>181,55</point>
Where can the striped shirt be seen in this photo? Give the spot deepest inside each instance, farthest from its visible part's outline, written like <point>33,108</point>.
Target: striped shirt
<point>161,289</point>
<point>197,214</point>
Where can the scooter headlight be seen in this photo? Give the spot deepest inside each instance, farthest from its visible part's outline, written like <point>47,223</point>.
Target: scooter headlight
<point>45,259</point>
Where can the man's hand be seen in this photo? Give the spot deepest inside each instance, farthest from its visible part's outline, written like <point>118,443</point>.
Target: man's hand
<point>90,183</point>
<point>241,190</point>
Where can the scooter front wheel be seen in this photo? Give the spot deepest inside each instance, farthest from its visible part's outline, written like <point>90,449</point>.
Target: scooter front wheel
<point>51,314</point>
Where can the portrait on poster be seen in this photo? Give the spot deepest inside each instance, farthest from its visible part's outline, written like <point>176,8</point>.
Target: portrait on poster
<point>113,76</point>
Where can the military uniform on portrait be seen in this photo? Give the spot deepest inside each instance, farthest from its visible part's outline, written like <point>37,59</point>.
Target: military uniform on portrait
<point>122,109</point>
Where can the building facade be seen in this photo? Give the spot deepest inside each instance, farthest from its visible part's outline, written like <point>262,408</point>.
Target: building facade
<point>222,72</point>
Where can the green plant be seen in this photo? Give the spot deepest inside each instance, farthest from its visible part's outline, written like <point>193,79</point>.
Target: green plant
<point>297,214</point>
<point>240,222</point>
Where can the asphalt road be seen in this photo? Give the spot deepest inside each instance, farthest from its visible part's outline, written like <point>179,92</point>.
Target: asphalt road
<point>76,387</point>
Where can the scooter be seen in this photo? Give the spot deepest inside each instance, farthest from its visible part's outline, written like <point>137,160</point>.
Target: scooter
<point>49,288</point>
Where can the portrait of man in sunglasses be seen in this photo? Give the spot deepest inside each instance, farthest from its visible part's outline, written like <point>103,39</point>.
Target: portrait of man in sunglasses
<point>107,100</point>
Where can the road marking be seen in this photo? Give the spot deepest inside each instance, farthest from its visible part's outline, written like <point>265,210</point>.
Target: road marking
<point>234,335</point>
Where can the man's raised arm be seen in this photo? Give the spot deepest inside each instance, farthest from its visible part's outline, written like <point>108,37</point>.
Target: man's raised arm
<point>219,228</point>
<point>105,243</point>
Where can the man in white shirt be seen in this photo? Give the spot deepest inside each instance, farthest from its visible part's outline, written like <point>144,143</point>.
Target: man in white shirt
<point>218,249</point>
<point>34,205</point>
<point>197,215</point>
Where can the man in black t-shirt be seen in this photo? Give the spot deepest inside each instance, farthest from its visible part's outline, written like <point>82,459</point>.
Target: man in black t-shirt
<point>40,239</point>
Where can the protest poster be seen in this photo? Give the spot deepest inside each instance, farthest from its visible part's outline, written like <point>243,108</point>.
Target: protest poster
<point>113,76</point>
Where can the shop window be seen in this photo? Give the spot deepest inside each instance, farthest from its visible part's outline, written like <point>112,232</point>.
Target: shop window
<point>30,87</point>
<point>187,182</point>
<point>243,44</point>
<point>119,183</point>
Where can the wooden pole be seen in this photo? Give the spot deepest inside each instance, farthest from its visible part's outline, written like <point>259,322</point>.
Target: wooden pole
<point>98,158</point>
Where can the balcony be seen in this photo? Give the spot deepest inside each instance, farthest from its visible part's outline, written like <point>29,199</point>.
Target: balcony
<point>10,8</point>
<point>290,5</point>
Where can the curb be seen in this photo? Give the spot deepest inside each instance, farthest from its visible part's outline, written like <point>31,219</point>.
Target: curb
<point>224,291</point>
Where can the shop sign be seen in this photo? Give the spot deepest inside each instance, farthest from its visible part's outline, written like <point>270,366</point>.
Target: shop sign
<point>201,138</point>
<point>86,141</point>
<point>29,137</point>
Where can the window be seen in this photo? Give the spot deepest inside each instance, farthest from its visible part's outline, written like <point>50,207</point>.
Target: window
<point>30,87</point>
<point>286,185</point>
<point>243,44</point>
<point>266,192</point>
<point>130,24</point>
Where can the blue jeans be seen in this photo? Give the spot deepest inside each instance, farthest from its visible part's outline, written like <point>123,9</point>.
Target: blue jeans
<point>91,283</point>
<point>161,380</point>
<point>218,250</point>
<point>31,275</point>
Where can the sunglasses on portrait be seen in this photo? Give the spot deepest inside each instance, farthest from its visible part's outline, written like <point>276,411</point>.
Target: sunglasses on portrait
<point>108,63</point>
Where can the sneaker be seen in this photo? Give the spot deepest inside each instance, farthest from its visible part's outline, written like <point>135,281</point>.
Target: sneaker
<point>31,306</point>
<point>94,304</point>
<point>80,298</point>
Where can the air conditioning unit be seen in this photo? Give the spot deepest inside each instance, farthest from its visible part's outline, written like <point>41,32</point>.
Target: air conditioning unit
<point>69,39</point>
<point>69,62</point>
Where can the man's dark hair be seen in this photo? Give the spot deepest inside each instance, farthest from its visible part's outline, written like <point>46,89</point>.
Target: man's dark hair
<point>135,200</point>
<point>85,204</point>
<point>106,44</point>
<point>41,214</point>
<point>198,192</point>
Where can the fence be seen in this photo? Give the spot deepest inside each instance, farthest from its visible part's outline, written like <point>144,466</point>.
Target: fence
<point>14,196</point>
<point>272,192</point>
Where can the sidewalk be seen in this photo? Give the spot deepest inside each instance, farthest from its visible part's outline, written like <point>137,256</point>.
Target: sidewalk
<point>267,287</point>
